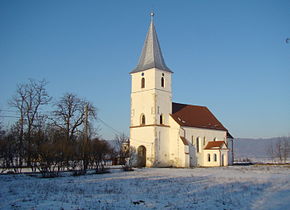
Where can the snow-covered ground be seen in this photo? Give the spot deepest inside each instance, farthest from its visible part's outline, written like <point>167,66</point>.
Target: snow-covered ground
<point>235,187</point>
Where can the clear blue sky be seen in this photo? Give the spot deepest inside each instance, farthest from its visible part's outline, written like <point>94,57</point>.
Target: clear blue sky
<point>230,56</point>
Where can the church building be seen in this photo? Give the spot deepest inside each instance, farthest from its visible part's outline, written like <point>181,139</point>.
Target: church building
<point>169,134</point>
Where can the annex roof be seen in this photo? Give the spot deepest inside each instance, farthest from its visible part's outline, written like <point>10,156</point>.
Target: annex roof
<point>215,145</point>
<point>151,56</point>
<point>195,116</point>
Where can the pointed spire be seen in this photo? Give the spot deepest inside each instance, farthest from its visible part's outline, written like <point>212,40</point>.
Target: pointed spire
<point>151,56</point>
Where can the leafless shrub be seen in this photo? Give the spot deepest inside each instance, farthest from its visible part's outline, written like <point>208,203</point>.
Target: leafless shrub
<point>125,154</point>
<point>280,150</point>
<point>100,152</point>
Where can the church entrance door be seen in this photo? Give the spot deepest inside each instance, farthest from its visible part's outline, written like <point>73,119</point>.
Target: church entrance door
<point>141,156</point>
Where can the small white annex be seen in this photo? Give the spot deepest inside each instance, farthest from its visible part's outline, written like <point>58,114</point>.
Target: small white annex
<point>167,134</point>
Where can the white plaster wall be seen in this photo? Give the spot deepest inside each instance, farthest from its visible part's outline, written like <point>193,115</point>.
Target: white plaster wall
<point>191,134</point>
<point>156,141</point>
<point>186,157</point>
<point>162,146</point>
<point>152,80</point>
<point>144,136</point>
<point>153,100</point>
<point>142,99</point>
<point>163,106</point>
<point>167,80</point>
<point>192,155</point>
<point>142,103</point>
<point>177,149</point>
<point>226,155</point>
<point>212,162</point>
<point>149,76</point>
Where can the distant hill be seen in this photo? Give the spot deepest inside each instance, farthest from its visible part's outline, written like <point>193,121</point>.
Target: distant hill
<point>254,149</point>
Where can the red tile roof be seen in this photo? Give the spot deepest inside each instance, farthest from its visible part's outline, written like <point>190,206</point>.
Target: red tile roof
<point>195,116</point>
<point>214,144</point>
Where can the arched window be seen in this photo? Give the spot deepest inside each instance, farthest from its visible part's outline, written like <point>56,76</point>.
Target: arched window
<point>162,81</point>
<point>143,82</point>
<point>197,145</point>
<point>215,157</point>
<point>161,119</point>
<point>208,157</point>
<point>143,120</point>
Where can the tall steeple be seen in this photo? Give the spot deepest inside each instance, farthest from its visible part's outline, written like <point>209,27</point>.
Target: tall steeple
<point>151,56</point>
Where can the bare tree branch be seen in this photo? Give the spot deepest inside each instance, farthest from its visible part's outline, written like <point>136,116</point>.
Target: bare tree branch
<point>70,113</point>
<point>27,101</point>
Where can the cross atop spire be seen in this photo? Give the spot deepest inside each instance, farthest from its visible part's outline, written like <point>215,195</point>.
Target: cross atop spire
<point>151,56</point>
<point>152,15</point>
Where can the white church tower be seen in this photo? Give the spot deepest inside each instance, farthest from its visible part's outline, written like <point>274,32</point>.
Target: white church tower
<point>151,104</point>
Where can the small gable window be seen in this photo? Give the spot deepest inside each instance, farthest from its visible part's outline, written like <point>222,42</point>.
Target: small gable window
<point>208,157</point>
<point>162,82</point>
<point>143,120</point>
<point>143,82</point>
<point>215,157</point>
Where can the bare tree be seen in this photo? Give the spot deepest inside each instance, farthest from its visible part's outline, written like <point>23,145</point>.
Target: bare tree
<point>72,118</point>
<point>121,148</point>
<point>285,148</point>
<point>271,152</point>
<point>126,154</point>
<point>0,122</point>
<point>1,127</point>
<point>280,150</point>
<point>130,158</point>
<point>28,100</point>
<point>70,114</point>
